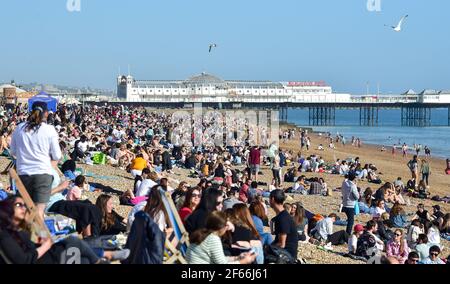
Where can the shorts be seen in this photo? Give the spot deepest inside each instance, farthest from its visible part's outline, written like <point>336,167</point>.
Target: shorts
<point>254,169</point>
<point>39,187</point>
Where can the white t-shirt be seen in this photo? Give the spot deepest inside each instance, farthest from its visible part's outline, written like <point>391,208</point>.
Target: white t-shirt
<point>83,146</point>
<point>352,243</point>
<point>160,219</point>
<point>35,150</point>
<point>145,187</point>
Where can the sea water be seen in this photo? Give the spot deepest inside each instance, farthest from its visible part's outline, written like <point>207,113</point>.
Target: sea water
<point>389,130</point>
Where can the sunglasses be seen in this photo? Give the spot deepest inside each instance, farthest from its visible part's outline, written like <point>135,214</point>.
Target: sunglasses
<point>21,205</point>
<point>434,254</point>
<point>398,235</point>
<point>194,195</point>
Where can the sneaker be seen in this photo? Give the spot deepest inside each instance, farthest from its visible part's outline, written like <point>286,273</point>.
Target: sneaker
<point>328,246</point>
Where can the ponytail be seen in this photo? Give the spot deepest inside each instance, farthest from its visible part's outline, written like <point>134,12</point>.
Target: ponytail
<point>35,119</point>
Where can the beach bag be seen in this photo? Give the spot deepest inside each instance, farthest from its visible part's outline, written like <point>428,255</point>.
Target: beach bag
<point>357,208</point>
<point>276,255</point>
<point>99,159</point>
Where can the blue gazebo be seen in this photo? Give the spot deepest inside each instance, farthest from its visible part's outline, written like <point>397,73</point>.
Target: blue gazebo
<point>52,103</point>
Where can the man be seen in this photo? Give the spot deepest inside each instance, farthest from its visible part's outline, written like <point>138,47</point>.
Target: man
<point>413,258</point>
<point>284,226</point>
<point>232,199</point>
<point>437,213</point>
<point>350,197</point>
<point>368,244</point>
<point>323,232</point>
<point>254,162</point>
<point>315,188</point>
<point>35,146</point>
<point>433,258</point>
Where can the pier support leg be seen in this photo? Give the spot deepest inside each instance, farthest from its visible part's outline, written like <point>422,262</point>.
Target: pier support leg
<point>322,116</point>
<point>368,115</point>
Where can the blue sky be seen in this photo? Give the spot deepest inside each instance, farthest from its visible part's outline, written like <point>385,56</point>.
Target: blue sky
<point>340,42</point>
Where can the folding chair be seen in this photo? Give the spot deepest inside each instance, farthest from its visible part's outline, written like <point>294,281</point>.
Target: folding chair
<point>35,219</point>
<point>5,259</point>
<point>175,252</point>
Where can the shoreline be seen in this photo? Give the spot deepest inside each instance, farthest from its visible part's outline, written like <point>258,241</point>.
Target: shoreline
<point>374,146</point>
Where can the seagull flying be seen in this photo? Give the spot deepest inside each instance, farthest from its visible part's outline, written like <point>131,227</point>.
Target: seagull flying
<point>398,28</point>
<point>211,46</point>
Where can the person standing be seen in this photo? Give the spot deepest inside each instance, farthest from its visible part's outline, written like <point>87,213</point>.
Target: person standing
<point>413,167</point>
<point>425,170</point>
<point>350,197</point>
<point>35,146</point>
<point>254,162</point>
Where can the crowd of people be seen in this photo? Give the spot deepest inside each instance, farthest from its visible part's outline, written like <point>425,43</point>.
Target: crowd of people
<point>225,213</point>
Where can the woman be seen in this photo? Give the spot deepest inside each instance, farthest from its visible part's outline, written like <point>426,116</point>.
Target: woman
<point>35,145</point>
<point>179,194</point>
<point>219,172</point>
<point>112,223</point>
<point>192,200</point>
<point>260,220</point>
<point>365,203</point>
<point>245,233</point>
<point>432,231</point>
<point>153,207</point>
<point>301,222</point>
<point>397,216</point>
<point>206,245</point>
<point>379,208</point>
<point>18,248</point>
<point>422,247</point>
<point>397,247</point>
<point>425,170</point>
<point>212,200</point>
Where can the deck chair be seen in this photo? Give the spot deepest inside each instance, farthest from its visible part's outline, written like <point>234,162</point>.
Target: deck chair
<point>177,248</point>
<point>5,259</point>
<point>38,224</point>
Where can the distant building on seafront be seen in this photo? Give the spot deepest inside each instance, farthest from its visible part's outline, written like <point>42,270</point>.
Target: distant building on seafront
<point>206,88</point>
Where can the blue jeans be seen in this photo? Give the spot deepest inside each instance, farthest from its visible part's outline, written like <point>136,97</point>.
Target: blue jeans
<point>350,212</point>
<point>260,254</point>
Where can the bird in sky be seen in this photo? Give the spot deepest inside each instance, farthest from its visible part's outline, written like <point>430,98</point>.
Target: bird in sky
<point>398,28</point>
<point>211,46</point>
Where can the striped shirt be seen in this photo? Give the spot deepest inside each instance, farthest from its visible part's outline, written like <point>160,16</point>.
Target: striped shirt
<point>210,251</point>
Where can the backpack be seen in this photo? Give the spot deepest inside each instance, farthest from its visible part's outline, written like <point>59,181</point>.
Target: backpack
<point>366,245</point>
<point>276,255</point>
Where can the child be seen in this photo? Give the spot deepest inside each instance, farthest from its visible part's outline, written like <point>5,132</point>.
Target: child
<point>76,191</point>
